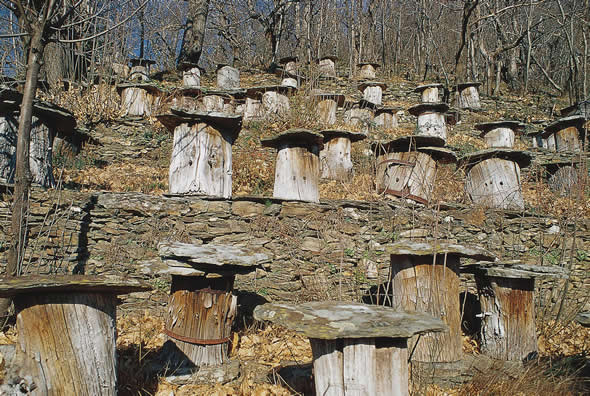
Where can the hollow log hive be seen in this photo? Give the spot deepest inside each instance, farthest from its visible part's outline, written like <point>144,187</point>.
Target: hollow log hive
<point>327,66</point>
<point>506,296</point>
<point>191,75</point>
<point>265,100</point>
<point>568,134</point>
<point>336,163</point>
<point>368,70</point>
<point>326,105</point>
<point>140,69</point>
<point>50,124</point>
<point>140,99</point>
<point>357,349</point>
<point>360,115</point>
<point>425,278</point>
<point>430,93</point>
<point>227,77</point>
<point>66,328</point>
<point>468,96</point>
<point>201,160</point>
<point>289,64</point>
<point>202,304</point>
<point>493,177</point>
<point>406,166</point>
<point>372,91</point>
<point>431,119</point>
<point>500,133</point>
<point>386,118</point>
<point>297,169</point>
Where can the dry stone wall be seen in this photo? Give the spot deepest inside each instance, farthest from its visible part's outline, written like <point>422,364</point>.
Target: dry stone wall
<point>320,251</point>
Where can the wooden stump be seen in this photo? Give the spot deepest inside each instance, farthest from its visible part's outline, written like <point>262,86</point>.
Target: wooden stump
<point>201,160</point>
<point>66,332</point>
<point>407,175</point>
<point>326,110</point>
<point>386,118</point>
<point>367,70</point>
<point>213,103</point>
<point>253,109</point>
<point>508,322</point>
<point>336,163</point>
<point>228,77</point>
<point>495,183</point>
<point>276,103</point>
<point>360,117</point>
<point>431,119</point>
<point>430,93</point>
<point>568,139</point>
<point>419,285</point>
<point>468,96</point>
<point>372,92</point>
<point>191,77</point>
<point>297,169</point>
<point>549,143</point>
<point>499,133</point>
<point>362,349</point>
<point>138,101</point>
<point>200,315</point>
<point>327,67</point>
<point>507,306</point>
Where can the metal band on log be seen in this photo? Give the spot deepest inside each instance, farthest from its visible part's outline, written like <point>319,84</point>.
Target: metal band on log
<point>506,295</point>
<point>202,304</point>
<point>425,278</point>
<point>297,169</point>
<point>357,349</point>
<point>66,329</point>
<point>201,160</point>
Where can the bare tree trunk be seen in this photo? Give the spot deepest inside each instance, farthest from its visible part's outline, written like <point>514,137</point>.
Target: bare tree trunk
<point>194,33</point>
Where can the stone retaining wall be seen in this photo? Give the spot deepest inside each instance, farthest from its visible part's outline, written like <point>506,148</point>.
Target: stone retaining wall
<point>319,251</point>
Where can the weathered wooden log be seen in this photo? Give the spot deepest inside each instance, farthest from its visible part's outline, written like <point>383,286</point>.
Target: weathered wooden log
<point>386,118</point>
<point>273,98</point>
<point>561,175</point>
<point>326,105</point>
<point>139,99</point>
<point>367,69</point>
<point>336,163</point>
<point>289,64</point>
<point>404,170</point>
<point>140,69</point>
<point>425,278</point>
<point>357,349</point>
<point>289,82</point>
<point>191,75</point>
<point>201,160</point>
<point>8,136</point>
<point>297,169</point>
<point>66,331</point>
<point>327,66</point>
<point>227,77</point>
<point>120,70</point>
<point>360,115</point>
<point>493,177</point>
<point>430,93</point>
<point>372,91</point>
<point>499,133</point>
<point>506,294</point>
<point>468,96</point>
<point>202,304</point>
<point>431,119</point>
<point>568,133</point>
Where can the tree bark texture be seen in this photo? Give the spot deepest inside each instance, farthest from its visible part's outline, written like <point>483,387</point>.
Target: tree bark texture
<point>200,316</point>
<point>335,159</point>
<point>495,183</point>
<point>508,324</point>
<point>366,366</point>
<point>201,161</point>
<point>408,175</point>
<point>297,173</point>
<point>66,342</point>
<point>419,285</point>
<point>194,32</point>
